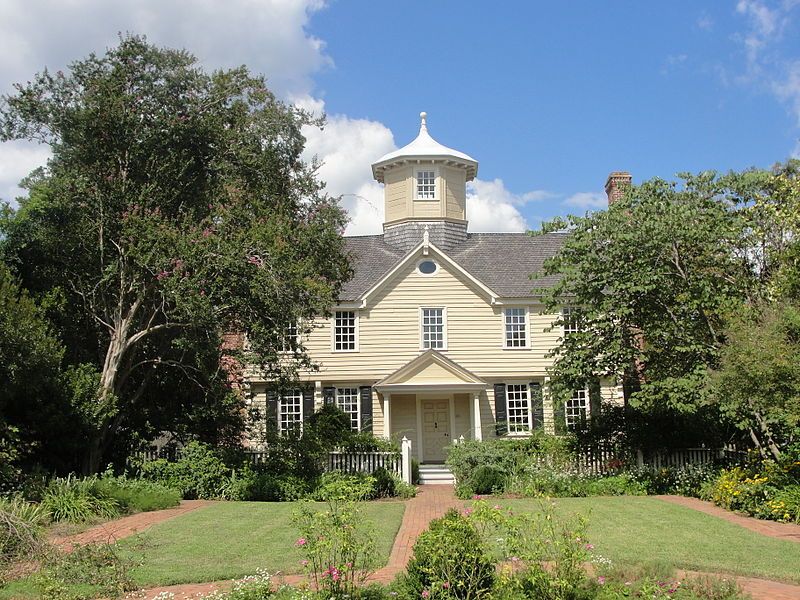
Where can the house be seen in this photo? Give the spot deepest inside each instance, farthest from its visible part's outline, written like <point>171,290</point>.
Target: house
<point>438,335</point>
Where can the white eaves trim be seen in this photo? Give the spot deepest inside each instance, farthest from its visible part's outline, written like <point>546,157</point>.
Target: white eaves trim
<point>428,247</point>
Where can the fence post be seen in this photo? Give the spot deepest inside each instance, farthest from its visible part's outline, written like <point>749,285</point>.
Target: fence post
<point>406,451</point>
<point>639,458</point>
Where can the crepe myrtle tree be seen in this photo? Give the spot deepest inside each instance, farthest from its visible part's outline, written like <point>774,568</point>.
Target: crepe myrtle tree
<point>175,208</point>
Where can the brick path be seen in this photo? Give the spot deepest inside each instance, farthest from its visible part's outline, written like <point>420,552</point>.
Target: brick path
<point>783,531</point>
<point>126,526</point>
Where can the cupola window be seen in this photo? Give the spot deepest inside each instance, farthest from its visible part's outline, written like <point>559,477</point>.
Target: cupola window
<point>426,185</point>
<point>427,267</point>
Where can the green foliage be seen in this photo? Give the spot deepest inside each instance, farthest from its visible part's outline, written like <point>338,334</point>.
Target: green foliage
<point>449,560</point>
<point>199,473</point>
<point>765,489</point>
<point>21,530</point>
<point>136,495</point>
<point>209,222</point>
<point>487,480</point>
<point>757,384</point>
<point>338,545</point>
<point>341,487</point>
<point>75,500</point>
<point>94,568</point>
<point>688,480</point>
<point>543,481</point>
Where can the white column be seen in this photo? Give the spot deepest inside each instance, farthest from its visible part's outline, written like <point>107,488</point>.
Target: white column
<point>476,415</point>
<point>405,446</point>
<point>387,430</point>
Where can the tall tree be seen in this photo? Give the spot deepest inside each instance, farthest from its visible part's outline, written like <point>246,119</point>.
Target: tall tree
<point>175,207</point>
<point>652,278</point>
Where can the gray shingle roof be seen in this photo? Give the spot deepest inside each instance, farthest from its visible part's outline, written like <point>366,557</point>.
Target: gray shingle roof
<point>501,261</point>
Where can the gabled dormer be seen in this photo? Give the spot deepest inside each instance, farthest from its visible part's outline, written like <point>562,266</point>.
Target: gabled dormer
<point>425,183</point>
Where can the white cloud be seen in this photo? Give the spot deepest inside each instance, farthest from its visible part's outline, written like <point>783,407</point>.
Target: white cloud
<point>492,207</point>
<point>705,22</point>
<point>17,159</point>
<point>587,200</point>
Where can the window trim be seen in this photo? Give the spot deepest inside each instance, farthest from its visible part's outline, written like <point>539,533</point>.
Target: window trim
<point>293,392</point>
<point>527,345</point>
<point>527,432</point>
<point>436,184</point>
<point>357,347</point>
<point>566,312</point>
<point>285,339</point>
<point>336,389</point>
<point>422,331</point>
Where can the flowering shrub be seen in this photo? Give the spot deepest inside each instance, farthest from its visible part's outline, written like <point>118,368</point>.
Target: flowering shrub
<point>449,561</point>
<point>685,481</point>
<point>763,489</point>
<point>338,545</point>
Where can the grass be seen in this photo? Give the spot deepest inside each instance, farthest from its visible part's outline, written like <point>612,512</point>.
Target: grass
<point>232,539</point>
<point>642,530</point>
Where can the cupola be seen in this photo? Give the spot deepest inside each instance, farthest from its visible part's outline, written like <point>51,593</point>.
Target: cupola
<point>425,187</point>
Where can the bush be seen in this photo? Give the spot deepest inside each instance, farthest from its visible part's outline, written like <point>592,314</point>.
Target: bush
<point>135,495</point>
<point>200,473</point>
<point>75,500</point>
<point>537,481</point>
<point>345,488</point>
<point>97,565</point>
<point>486,480</point>
<point>684,481</point>
<point>449,561</point>
<point>21,529</point>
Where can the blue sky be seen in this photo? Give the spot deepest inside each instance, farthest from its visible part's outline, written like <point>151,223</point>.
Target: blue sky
<point>549,97</point>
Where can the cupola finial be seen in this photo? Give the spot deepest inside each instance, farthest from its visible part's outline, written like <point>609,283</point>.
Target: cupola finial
<point>425,235</point>
<point>423,121</point>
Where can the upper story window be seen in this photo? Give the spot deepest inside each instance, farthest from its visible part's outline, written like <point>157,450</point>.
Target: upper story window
<point>426,184</point>
<point>347,399</point>
<point>290,411</point>
<point>576,408</point>
<point>433,329</point>
<point>570,317</point>
<point>345,331</point>
<point>516,327</point>
<point>518,403</point>
<point>291,338</point>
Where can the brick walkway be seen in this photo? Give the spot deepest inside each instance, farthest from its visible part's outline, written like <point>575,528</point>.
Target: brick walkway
<point>126,526</point>
<point>783,531</point>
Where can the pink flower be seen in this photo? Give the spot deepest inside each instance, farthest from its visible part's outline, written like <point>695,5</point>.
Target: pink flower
<point>207,232</point>
<point>477,497</point>
<point>304,563</point>
<point>425,593</point>
<point>300,542</point>
<point>589,546</point>
<point>162,275</point>
<point>601,580</point>
<point>496,507</point>
<point>467,512</point>
<point>515,559</point>
<point>446,585</point>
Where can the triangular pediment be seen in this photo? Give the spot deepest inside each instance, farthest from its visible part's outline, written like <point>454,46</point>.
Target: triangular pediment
<point>431,369</point>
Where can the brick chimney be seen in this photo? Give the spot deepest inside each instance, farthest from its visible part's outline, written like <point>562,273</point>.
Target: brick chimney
<point>616,185</point>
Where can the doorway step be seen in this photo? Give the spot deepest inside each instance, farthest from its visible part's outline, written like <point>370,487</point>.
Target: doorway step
<point>435,474</point>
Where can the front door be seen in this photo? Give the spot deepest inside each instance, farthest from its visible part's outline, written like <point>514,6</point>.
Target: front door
<point>435,429</point>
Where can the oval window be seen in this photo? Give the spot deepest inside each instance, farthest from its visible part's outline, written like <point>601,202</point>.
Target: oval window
<point>427,267</point>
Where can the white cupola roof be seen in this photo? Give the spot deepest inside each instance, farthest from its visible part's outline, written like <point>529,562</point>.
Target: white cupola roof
<point>425,148</point>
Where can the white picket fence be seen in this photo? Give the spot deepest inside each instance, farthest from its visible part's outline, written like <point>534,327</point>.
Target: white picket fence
<point>365,462</point>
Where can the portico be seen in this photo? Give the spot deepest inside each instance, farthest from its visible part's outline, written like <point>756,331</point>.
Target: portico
<point>432,401</point>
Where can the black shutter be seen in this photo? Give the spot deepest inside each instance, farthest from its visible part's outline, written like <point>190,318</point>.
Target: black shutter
<point>366,408</point>
<point>537,404</point>
<point>329,395</point>
<point>595,398</point>
<point>559,417</point>
<point>308,403</point>
<point>500,409</point>
<point>272,410</point>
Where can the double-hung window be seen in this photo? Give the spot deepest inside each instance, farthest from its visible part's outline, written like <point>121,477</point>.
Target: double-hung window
<point>290,411</point>
<point>345,331</point>
<point>426,184</point>
<point>518,403</point>
<point>515,327</point>
<point>576,408</point>
<point>291,338</point>
<point>347,400</point>
<point>433,328</point>
<point>570,318</point>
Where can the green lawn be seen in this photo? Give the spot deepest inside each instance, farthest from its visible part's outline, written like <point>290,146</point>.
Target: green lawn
<point>642,530</point>
<point>232,539</point>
